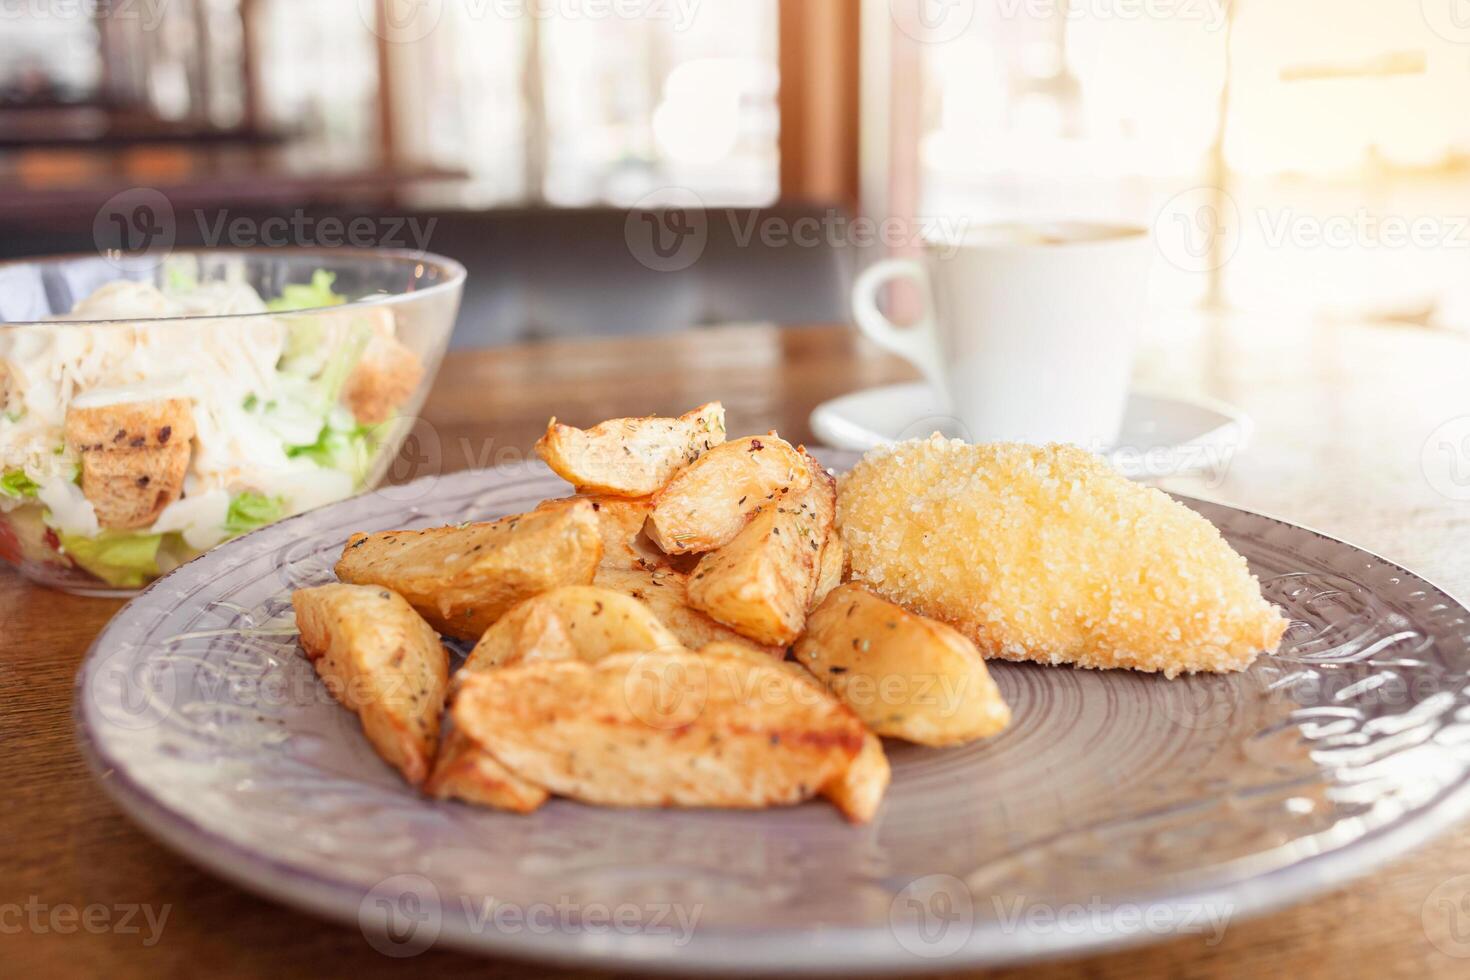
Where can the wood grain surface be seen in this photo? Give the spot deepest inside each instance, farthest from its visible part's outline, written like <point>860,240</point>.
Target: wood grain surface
<point>1355,435</point>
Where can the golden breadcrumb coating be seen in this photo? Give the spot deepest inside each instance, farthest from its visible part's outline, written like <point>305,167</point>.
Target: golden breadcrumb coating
<point>1047,553</point>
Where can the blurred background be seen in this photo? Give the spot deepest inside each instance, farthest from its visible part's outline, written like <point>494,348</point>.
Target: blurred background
<point>1305,157</point>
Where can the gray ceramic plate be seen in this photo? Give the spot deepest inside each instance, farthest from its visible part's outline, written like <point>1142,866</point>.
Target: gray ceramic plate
<point>1118,808</point>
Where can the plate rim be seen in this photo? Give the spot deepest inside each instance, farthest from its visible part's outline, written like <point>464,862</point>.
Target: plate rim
<point>839,950</point>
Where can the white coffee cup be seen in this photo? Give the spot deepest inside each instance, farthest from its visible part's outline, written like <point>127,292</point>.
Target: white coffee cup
<point>1027,331</point>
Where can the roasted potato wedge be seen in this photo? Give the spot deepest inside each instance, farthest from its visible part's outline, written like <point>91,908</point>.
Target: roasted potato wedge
<point>906,676</point>
<point>630,457</point>
<point>671,728</point>
<point>580,621</point>
<point>858,791</point>
<point>379,658</point>
<point>464,771</point>
<point>621,520</point>
<point>665,591</point>
<point>833,568</point>
<point>761,583</point>
<point>710,500</point>
<point>462,579</point>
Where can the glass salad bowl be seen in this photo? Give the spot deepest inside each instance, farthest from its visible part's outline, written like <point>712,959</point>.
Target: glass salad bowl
<point>150,410</point>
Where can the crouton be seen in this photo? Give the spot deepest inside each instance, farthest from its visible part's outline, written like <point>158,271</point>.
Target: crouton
<point>383,380</point>
<point>130,425</point>
<point>129,489</point>
<point>134,457</point>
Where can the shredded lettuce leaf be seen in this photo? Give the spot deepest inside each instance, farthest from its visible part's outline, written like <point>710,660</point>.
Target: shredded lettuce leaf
<point>180,278</point>
<point>121,559</point>
<point>249,511</point>
<point>349,450</point>
<point>342,362</point>
<point>17,485</point>
<point>308,296</point>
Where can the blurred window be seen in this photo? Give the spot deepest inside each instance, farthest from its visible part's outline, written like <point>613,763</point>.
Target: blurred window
<point>551,106</point>
<point>1338,182</point>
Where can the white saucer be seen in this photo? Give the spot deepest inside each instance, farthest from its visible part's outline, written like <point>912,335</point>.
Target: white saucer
<point>1162,436</point>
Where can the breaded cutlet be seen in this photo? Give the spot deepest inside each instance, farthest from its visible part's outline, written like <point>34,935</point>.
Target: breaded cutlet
<point>1047,553</point>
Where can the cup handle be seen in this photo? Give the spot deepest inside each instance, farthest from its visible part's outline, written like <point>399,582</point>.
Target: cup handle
<point>919,343</point>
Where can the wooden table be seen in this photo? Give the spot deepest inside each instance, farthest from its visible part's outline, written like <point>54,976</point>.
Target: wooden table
<point>1343,414</point>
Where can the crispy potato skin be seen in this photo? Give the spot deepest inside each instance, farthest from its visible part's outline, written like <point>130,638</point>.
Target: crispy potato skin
<point>630,457</point>
<point>621,520</point>
<point>906,676</point>
<point>665,591</point>
<point>462,579</point>
<point>858,791</point>
<point>1047,553</point>
<point>574,621</point>
<point>761,583</point>
<point>708,502</point>
<point>671,728</point>
<point>464,771</point>
<point>380,659</point>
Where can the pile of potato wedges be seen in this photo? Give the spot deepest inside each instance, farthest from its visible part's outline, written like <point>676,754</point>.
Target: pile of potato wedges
<point>675,633</point>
